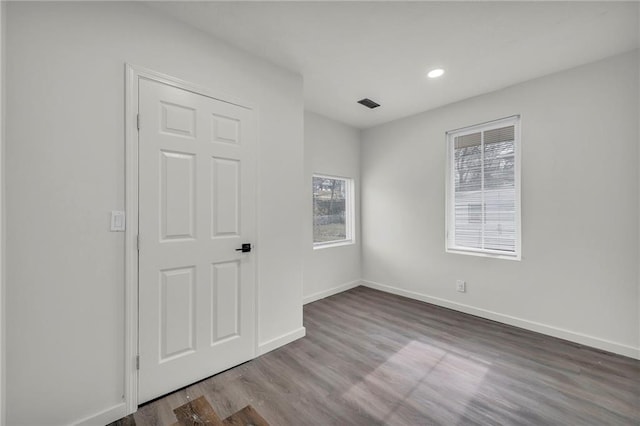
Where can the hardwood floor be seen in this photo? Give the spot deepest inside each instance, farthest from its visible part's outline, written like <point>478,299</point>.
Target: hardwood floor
<point>374,358</point>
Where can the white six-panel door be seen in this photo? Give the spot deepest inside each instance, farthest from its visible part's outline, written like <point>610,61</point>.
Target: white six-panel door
<point>196,207</point>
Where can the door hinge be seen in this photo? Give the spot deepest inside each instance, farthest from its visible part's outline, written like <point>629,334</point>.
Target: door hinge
<point>138,242</point>
<point>138,121</point>
<point>137,362</point>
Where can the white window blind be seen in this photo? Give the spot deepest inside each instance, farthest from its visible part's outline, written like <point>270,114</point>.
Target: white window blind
<point>483,191</point>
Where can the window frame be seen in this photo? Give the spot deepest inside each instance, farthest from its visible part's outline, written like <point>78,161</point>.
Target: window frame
<point>349,214</point>
<point>450,246</point>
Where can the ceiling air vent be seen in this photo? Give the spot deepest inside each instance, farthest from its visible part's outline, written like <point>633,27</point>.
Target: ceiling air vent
<point>368,103</point>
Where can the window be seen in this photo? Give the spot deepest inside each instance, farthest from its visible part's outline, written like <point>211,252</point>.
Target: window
<point>332,211</point>
<point>483,189</point>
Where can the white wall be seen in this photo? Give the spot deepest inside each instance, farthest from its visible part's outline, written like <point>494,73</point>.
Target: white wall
<point>3,38</point>
<point>330,148</point>
<point>638,171</point>
<point>578,277</point>
<point>65,145</point>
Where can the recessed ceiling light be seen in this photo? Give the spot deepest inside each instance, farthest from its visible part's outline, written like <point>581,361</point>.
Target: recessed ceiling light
<point>435,73</point>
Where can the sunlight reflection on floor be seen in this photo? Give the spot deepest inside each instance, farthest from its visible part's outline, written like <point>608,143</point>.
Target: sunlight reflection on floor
<point>390,394</point>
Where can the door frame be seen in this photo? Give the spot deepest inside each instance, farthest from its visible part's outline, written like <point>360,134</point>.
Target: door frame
<point>133,74</point>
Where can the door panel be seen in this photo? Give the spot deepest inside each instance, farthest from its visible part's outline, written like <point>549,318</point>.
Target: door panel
<point>224,300</point>
<point>225,129</point>
<point>177,197</point>
<point>196,207</point>
<point>178,119</point>
<point>177,311</point>
<point>225,185</point>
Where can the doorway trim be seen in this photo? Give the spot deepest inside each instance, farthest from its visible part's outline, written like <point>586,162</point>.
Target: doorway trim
<point>133,74</point>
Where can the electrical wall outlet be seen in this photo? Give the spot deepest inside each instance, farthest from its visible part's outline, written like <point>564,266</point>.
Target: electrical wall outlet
<point>461,286</point>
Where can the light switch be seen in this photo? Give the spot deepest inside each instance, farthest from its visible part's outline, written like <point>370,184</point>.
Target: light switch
<point>118,222</point>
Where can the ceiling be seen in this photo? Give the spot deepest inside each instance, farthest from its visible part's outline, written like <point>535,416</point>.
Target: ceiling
<point>347,51</point>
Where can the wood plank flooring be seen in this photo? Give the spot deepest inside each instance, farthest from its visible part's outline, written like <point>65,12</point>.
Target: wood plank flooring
<point>372,358</point>
<point>199,412</point>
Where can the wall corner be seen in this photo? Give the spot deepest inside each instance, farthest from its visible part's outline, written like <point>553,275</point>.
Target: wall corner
<point>2,214</point>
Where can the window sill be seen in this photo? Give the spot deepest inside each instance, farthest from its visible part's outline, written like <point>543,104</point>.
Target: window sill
<point>319,246</point>
<point>485,254</point>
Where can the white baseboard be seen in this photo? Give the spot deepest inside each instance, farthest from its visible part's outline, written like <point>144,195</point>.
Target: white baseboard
<point>105,417</point>
<point>330,292</point>
<point>561,333</point>
<point>272,344</point>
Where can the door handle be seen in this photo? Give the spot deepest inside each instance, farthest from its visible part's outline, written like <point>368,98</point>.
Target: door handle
<point>246,248</point>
